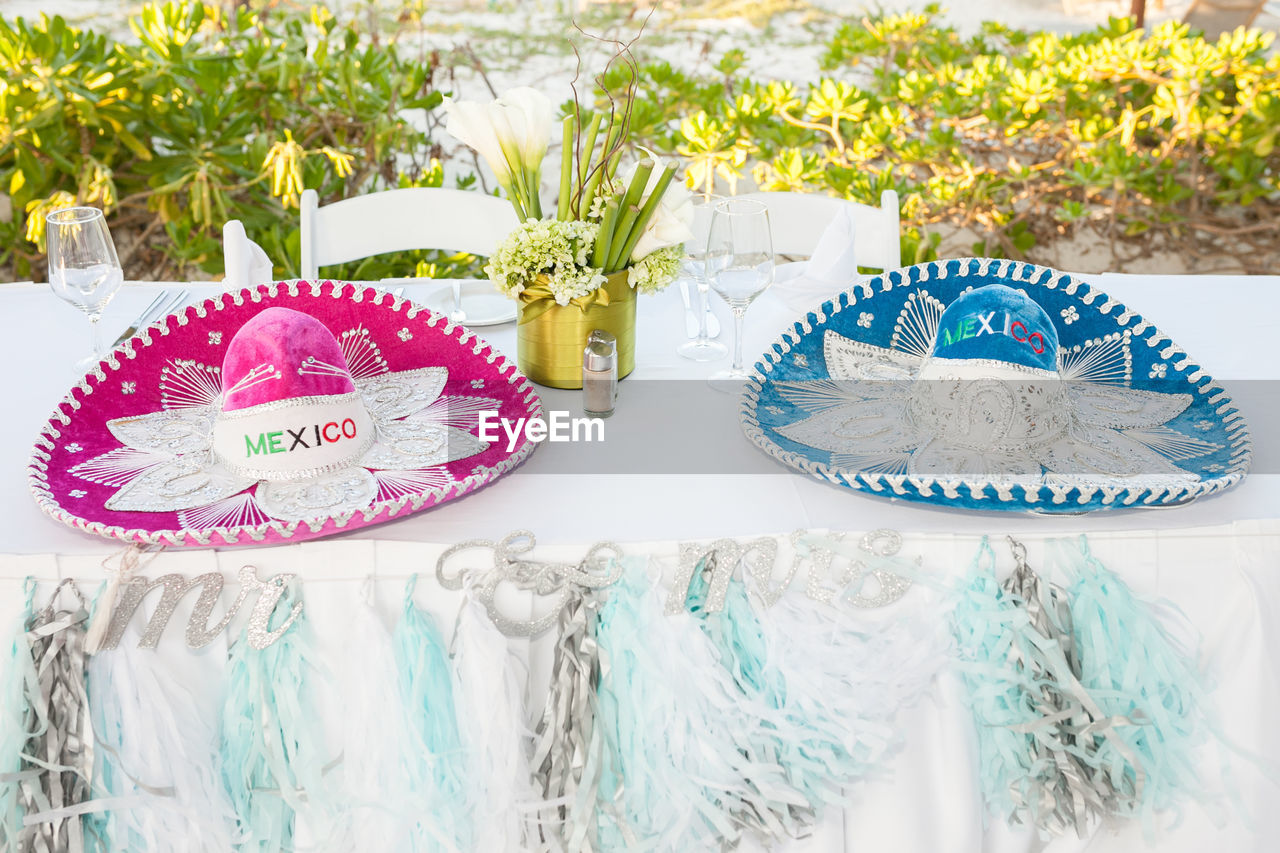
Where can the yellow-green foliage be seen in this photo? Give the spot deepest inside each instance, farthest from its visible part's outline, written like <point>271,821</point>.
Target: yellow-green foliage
<point>205,117</point>
<point>1016,134</point>
<point>211,116</point>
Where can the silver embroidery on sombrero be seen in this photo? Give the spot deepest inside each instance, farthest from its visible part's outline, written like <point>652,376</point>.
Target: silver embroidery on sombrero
<point>321,497</point>
<point>179,432</point>
<point>419,444</point>
<point>187,481</point>
<point>1084,426</point>
<point>398,395</point>
<point>363,355</point>
<point>167,463</point>
<point>397,485</point>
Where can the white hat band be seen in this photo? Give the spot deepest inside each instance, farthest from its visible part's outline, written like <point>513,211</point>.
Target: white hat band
<point>294,439</point>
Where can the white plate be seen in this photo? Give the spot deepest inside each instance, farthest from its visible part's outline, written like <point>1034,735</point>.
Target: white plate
<point>481,304</point>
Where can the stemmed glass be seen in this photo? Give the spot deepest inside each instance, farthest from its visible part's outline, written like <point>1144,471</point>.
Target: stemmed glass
<point>83,267</point>
<point>739,265</point>
<point>694,267</point>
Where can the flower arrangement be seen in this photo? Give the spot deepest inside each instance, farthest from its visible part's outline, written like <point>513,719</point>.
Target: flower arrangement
<point>616,232</point>
<point>604,222</point>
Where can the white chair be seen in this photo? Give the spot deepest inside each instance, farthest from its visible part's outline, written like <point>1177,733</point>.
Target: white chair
<point>401,220</point>
<point>1215,17</point>
<point>245,262</point>
<point>798,220</point>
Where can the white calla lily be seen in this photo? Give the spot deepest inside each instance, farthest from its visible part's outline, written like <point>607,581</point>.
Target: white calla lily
<point>672,220</point>
<point>511,133</point>
<point>472,124</point>
<point>529,115</point>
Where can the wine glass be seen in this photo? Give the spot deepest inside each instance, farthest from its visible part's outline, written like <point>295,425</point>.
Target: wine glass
<point>694,268</point>
<point>739,265</point>
<point>83,267</point>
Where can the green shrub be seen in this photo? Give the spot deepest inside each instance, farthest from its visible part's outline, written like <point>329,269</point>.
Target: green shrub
<point>207,117</point>
<point>1021,136</point>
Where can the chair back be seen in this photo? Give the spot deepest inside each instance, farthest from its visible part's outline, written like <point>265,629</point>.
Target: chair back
<point>401,220</point>
<point>1215,17</point>
<point>798,220</point>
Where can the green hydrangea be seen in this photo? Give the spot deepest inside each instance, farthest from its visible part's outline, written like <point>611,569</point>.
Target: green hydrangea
<point>561,250</point>
<point>655,270</point>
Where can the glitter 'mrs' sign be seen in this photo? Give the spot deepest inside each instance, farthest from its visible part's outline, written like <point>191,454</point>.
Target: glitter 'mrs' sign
<point>199,632</point>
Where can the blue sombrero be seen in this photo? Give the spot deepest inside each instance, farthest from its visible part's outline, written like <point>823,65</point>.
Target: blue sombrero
<point>994,385</point>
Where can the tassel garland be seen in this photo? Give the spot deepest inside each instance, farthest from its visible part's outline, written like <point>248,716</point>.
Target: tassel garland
<point>696,722</point>
<point>489,684</point>
<point>271,743</point>
<point>159,740</point>
<point>381,800</point>
<point>844,674</point>
<point>738,640</point>
<point>18,682</point>
<point>681,769</point>
<point>1151,706</point>
<point>60,739</point>
<point>1013,654</point>
<point>1085,705</point>
<point>565,768</point>
<point>434,745</point>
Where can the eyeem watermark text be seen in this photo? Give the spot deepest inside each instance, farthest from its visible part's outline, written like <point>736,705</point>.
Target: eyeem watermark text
<point>559,427</point>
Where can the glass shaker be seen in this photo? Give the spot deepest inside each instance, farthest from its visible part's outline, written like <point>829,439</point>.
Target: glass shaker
<point>599,374</point>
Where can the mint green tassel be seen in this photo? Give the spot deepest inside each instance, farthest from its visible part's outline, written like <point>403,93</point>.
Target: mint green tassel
<point>271,739</point>
<point>437,759</point>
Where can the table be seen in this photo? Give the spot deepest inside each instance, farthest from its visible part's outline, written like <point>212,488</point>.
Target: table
<point>1219,559</point>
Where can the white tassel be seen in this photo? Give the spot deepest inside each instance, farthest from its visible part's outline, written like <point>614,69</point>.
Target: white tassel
<point>490,688</point>
<point>845,675</point>
<point>160,750</point>
<point>380,803</point>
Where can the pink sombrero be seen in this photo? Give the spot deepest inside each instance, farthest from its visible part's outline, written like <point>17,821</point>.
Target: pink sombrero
<point>276,414</point>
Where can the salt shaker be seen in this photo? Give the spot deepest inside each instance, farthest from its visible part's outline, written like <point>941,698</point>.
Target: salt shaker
<point>599,374</point>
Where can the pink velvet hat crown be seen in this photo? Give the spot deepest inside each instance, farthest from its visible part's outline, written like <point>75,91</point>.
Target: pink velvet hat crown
<point>278,413</point>
<point>282,338</point>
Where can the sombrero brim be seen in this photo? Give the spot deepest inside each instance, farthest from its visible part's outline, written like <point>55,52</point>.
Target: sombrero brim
<point>85,461</point>
<point>1186,437</point>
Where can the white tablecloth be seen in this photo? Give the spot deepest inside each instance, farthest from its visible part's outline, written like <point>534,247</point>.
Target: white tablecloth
<point>1218,560</point>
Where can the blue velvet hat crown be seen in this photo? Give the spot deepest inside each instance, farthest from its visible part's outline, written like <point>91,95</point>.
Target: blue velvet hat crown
<point>999,323</point>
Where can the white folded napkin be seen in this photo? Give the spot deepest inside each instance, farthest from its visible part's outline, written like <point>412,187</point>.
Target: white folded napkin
<point>246,263</point>
<point>831,268</point>
<point>261,270</point>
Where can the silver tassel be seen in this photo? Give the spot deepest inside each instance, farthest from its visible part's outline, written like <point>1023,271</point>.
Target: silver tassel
<point>61,745</point>
<point>566,757</point>
<point>1074,790</point>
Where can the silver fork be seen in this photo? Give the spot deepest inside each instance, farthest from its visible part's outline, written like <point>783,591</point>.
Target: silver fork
<point>165,303</point>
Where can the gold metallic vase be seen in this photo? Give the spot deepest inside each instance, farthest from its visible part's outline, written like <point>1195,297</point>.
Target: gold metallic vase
<point>550,338</point>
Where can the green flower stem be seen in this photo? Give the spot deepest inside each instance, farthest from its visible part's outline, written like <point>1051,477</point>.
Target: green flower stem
<point>618,241</point>
<point>611,168</point>
<point>589,192</point>
<point>533,183</point>
<point>629,210</point>
<point>601,173</point>
<point>605,235</point>
<point>646,213</point>
<point>514,198</point>
<point>610,140</point>
<point>584,164</point>
<point>566,168</point>
<point>524,184</point>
